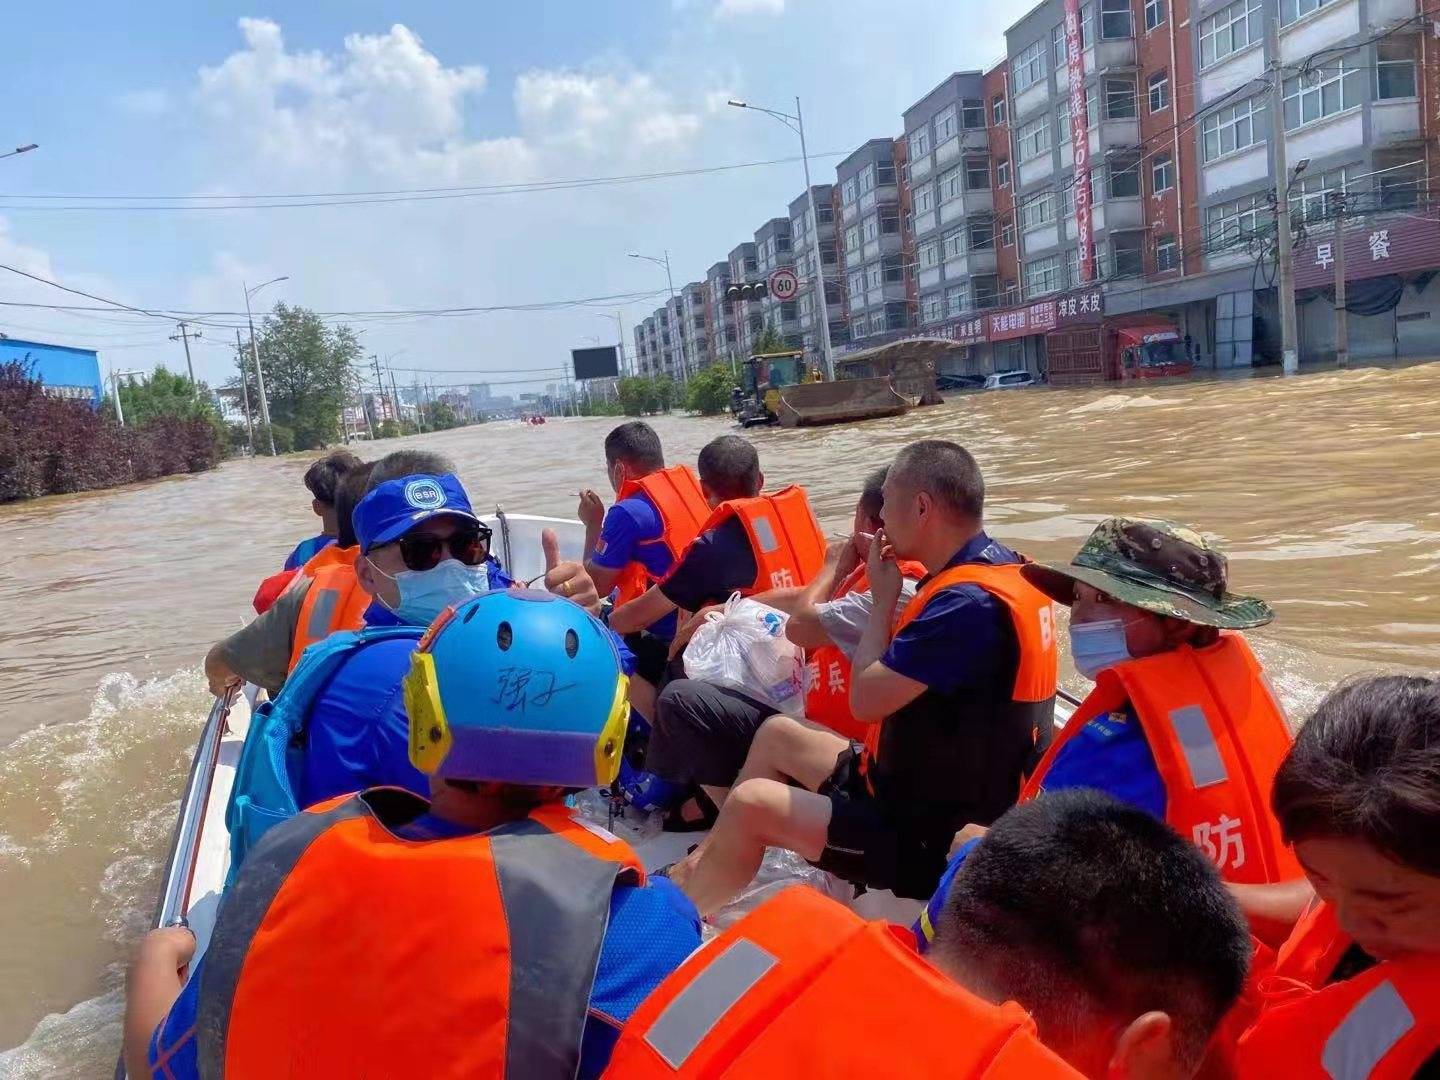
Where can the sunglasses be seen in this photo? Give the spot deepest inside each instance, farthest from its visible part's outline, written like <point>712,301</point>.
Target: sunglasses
<point>470,545</point>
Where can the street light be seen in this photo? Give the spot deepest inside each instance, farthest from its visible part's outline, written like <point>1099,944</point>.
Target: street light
<point>21,150</point>
<point>796,124</point>
<point>115,377</point>
<point>684,353</point>
<point>619,333</point>
<point>255,357</point>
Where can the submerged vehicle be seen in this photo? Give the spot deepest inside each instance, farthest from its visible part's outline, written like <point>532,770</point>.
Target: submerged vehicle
<point>1121,348</point>
<point>782,388</point>
<point>911,364</point>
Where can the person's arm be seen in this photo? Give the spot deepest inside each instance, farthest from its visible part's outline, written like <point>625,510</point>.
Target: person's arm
<point>690,586</point>
<point>875,690</point>
<point>602,526</point>
<point>804,628</point>
<point>567,579</point>
<point>645,610</point>
<point>154,981</point>
<point>259,652</point>
<point>1282,902</point>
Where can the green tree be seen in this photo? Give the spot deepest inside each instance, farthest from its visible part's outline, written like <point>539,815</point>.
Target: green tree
<point>440,416</point>
<point>309,374</point>
<point>769,341</point>
<point>165,393</point>
<point>666,393</point>
<point>708,392</point>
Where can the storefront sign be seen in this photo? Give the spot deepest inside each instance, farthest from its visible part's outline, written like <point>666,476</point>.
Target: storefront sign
<point>1080,139</point>
<point>1087,306</point>
<point>967,331</point>
<point>1376,246</point>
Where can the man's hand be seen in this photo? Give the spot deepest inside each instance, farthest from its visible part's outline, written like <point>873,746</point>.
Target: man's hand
<point>964,836</point>
<point>157,972</point>
<point>688,627</point>
<point>218,673</point>
<point>854,553</point>
<point>567,579</point>
<point>591,510</point>
<point>884,573</point>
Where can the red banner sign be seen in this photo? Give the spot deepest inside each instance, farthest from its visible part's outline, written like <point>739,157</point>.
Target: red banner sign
<point>1386,245</point>
<point>1080,139</point>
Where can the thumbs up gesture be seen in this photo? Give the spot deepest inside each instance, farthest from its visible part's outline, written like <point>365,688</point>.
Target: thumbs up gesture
<point>567,579</point>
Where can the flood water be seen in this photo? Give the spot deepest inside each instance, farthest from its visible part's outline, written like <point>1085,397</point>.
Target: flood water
<point>1320,487</point>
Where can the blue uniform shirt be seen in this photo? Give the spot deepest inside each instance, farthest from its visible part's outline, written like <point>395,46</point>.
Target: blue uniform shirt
<point>1111,754</point>
<point>633,532</point>
<point>652,930</point>
<point>307,550</point>
<point>717,564</point>
<point>964,638</point>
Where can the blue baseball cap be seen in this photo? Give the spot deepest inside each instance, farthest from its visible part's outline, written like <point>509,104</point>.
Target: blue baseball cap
<point>395,507</point>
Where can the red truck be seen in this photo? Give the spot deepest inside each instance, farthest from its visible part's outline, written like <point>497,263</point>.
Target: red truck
<point>1122,347</point>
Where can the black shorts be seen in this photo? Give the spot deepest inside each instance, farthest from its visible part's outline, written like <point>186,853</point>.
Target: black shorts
<point>866,844</point>
<point>652,656</point>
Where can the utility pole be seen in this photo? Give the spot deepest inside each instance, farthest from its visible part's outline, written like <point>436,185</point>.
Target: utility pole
<point>1285,293</point>
<point>245,390</point>
<point>259,375</point>
<point>818,291</point>
<point>395,402</point>
<point>1342,316</point>
<point>184,336</point>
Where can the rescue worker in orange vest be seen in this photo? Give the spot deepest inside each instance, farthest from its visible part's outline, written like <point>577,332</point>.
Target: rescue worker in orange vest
<point>632,546</point>
<point>1355,991</point>
<point>1082,938</point>
<point>486,932</point>
<point>959,695</point>
<point>1181,721</point>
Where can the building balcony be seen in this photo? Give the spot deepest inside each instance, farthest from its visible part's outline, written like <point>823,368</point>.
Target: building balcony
<point>921,167</point>
<point>1040,240</point>
<point>1110,55</point>
<point>972,262</point>
<point>887,195</point>
<point>1036,169</point>
<point>1329,25</point>
<point>1395,121</point>
<point>1030,100</point>
<point>1118,214</point>
<point>885,244</point>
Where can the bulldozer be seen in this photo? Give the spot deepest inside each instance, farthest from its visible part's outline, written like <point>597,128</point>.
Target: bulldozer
<point>782,388</point>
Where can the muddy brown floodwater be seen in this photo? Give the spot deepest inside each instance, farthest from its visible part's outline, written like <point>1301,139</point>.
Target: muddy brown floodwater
<point>1320,487</point>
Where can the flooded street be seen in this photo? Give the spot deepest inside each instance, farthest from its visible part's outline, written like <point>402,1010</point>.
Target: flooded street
<point>1321,488</point>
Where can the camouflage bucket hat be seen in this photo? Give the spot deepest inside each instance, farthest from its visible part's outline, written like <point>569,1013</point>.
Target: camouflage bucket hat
<point>1156,566</point>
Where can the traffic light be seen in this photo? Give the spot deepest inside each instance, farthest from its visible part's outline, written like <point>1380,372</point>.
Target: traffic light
<point>749,290</point>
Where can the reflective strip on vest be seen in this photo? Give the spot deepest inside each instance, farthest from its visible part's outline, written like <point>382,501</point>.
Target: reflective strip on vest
<point>685,1022</point>
<point>1378,1021</point>
<point>1197,741</point>
<point>765,534</point>
<point>322,614</point>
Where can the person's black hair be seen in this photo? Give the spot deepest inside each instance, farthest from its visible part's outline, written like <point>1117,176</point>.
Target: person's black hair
<point>730,467</point>
<point>946,471</point>
<point>635,443</point>
<point>872,497</point>
<point>323,476</point>
<point>1366,767</point>
<point>1090,912</point>
<point>409,463</point>
<point>351,490</point>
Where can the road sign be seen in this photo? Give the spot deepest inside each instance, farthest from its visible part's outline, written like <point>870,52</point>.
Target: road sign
<point>784,285</point>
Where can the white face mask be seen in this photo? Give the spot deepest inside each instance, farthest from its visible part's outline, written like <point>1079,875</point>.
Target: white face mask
<point>1095,646</point>
<point>424,594</point>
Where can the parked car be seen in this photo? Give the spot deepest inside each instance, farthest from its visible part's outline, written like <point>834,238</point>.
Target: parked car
<point>952,383</point>
<point>1008,380</point>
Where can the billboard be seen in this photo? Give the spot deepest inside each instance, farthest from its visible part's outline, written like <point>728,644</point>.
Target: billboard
<point>66,372</point>
<point>1080,138</point>
<point>599,363</point>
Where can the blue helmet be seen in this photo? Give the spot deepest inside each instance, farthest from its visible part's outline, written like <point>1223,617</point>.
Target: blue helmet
<point>518,687</point>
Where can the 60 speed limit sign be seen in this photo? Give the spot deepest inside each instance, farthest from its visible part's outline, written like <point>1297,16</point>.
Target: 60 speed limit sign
<point>784,285</point>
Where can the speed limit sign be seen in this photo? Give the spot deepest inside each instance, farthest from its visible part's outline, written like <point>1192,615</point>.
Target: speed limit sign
<point>784,285</point>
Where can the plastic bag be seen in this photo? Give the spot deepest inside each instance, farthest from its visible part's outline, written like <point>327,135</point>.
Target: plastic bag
<point>744,645</point>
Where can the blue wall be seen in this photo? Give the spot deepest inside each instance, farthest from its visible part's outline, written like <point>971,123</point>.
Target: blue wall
<point>67,371</point>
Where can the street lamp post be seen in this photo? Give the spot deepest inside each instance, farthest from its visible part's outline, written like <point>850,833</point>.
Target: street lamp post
<point>619,333</point>
<point>670,281</point>
<point>255,357</point>
<point>21,150</point>
<point>796,124</point>
<point>115,377</point>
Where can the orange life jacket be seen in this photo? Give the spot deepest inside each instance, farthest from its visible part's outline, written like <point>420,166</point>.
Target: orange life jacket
<point>803,987</point>
<point>1382,1024</point>
<point>991,751</point>
<point>1218,736</point>
<point>335,601</point>
<point>677,498</point>
<point>785,538</point>
<point>828,699</point>
<point>343,950</point>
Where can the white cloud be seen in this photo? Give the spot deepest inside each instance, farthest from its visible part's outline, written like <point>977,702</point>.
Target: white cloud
<point>733,9</point>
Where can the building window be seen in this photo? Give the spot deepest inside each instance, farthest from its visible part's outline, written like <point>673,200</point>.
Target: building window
<point>986,292</point>
<point>1158,90</point>
<point>1290,10</point>
<point>1067,199</point>
<point>889,220</point>
<point>977,174</point>
<point>1072,268</point>
<point>951,185</point>
<point>1124,177</point>
<point>1007,233</point>
<point>1233,224</point>
<point>1002,173</point>
<point>1162,174</point>
<point>855,285</point>
<point>945,126</point>
<point>1115,20</point>
<point>1154,13</point>
<point>874,275</point>
<point>788,311</point>
<point>1231,128</point>
<point>1119,99</point>
<point>919,143</point>
<point>852,239</point>
<point>884,174</point>
<point>870,228</point>
<point>1308,99</point>
<point>893,269</point>
<point>980,233</point>
<point>924,199</point>
<point>972,113</point>
<point>867,179</point>
<point>1042,276</point>
<point>932,308</point>
<point>1129,253</point>
<point>1166,254</point>
<point>1032,139</point>
<point>1038,211</point>
<point>954,244</point>
<point>955,302</point>
<point>929,255</point>
<point>1230,30</point>
<point>847,191</point>
<point>1087,17</point>
<point>1312,197</point>
<point>997,109</point>
<point>1028,67</point>
<point>1057,47</point>
<point>1395,68</point>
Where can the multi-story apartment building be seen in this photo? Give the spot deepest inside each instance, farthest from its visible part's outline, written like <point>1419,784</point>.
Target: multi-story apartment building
<point>724,338</point>
<point>803,246</point>
<point>874,274</point>
<point>696,325</point>
<point>773,252</point>
<point>749,318</point>
<point>644,360</point>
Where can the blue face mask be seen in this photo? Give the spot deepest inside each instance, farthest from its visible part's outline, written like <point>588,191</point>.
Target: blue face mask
<point>424,594</point>
<point>1095,646</point>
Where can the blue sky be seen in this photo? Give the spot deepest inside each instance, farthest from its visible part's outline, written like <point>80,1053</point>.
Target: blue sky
<point>326,96</point>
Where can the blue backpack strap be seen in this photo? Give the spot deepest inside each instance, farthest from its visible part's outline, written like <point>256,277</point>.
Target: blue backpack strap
<point>263,794</point>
